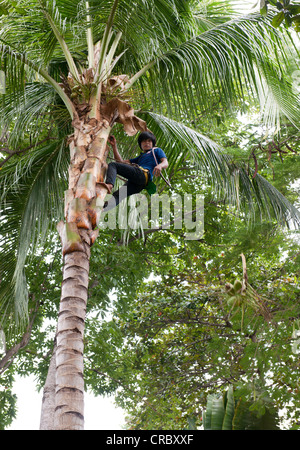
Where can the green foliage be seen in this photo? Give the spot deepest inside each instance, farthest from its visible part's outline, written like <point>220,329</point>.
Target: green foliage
<point>289,13</point>
<point>192,64</point>
<point>33,196</point>
<point>8,400</point>
<point>164,345</point>
<point>223,412</point>
<point>181,340</point>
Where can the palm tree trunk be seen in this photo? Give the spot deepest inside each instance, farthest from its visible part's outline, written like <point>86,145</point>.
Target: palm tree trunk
<point>83,205</point>
<point>48,402</point>
<point>69,395</point>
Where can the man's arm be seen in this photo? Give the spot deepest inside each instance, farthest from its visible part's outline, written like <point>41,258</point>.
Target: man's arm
<point>112,141</point>
<point>162,165</point>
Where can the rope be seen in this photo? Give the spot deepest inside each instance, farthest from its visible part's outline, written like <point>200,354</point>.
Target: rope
<point>167,182</point>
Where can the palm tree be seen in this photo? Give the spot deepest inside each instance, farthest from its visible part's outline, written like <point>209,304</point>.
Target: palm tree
<point>75,69</point>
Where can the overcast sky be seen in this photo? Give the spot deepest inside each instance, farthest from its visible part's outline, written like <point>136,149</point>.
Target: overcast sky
<point>100,412</point>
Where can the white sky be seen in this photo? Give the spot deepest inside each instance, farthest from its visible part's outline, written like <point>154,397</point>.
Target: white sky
<point>247,5</point>
<point>100,412</point>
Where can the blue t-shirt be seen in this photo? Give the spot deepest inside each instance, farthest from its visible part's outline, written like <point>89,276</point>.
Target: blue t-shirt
<point>147,161</point>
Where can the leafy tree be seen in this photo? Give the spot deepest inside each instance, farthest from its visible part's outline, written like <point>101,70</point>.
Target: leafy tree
<point>72,71</point>
<point>109,366</point>
<point>288,13</point>
<point>7,401</point>
<point>184,340</point>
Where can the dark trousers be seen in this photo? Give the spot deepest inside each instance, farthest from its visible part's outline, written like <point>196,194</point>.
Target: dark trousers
<point>135,184</point>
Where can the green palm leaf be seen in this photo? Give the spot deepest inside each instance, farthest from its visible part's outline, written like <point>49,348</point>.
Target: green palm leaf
<point>229,406</point>
<point>256,195</point>
<point>154,35</point>
<point>224,413</point>
<point>31,202</point>
<point>226,61</point>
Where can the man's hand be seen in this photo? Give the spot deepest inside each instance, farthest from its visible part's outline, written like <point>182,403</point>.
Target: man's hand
<point>163,165</point>
<point>112,141</point>
<point>157,170</point>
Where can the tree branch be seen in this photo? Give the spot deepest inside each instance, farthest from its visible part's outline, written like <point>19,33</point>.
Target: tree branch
<point>126,388</point>
<point>18,152</point>
<point>7,360</point>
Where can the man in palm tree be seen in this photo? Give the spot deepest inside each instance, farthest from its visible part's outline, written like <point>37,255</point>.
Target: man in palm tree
<point>139,171</point>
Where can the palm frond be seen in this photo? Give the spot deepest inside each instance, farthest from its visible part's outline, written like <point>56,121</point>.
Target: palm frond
<point>273,204</point>
<point>186,61</point>
<point>31,31</point>
<point>27,110</point>
<point>251,195</point>
<point>15,63</point>
<point>276,97</point>
<point>224,63</point>
<point>31,202</point>
<point>32,113</point>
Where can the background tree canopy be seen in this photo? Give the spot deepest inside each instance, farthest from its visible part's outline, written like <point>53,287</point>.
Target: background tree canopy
<point>161,331</point>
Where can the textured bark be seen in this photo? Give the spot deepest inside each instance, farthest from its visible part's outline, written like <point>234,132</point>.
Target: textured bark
<point>84,200</point>
<point>83,204</point>
<point>69,394</point>
<point>48,402</point>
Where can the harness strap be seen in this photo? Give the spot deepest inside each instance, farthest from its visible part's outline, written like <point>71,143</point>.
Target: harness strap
<point>146,173</point>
